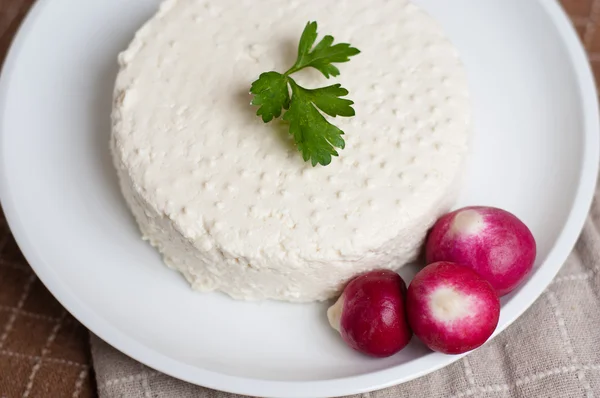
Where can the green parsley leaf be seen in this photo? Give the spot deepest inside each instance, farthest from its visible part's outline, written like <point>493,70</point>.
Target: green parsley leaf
<point>323,55</point>
<point>271,94</point>
<point>327,99</point>
<point>316,138</point>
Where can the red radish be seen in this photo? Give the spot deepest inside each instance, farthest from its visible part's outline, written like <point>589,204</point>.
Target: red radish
<point>451,308</point>
<point>370,314</point>
<point>491,241</point>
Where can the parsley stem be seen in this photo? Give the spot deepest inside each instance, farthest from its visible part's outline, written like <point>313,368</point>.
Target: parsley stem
<point>293,69</point>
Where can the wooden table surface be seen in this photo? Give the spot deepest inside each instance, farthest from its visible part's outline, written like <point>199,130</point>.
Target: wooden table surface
<point>44,352</point>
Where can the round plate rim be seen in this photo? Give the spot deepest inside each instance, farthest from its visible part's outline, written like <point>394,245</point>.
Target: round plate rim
<point>522,300</point>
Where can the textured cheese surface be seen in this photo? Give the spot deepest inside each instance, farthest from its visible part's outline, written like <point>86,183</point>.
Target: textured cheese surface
<point>228,200</point>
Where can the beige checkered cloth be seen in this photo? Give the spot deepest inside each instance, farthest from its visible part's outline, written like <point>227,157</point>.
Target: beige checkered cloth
<point>553,350</point>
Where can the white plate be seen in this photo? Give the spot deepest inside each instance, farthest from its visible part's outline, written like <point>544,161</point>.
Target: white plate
<point>535,153</point>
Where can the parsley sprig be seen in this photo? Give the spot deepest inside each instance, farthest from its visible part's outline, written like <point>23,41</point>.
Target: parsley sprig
<point>274,92</point>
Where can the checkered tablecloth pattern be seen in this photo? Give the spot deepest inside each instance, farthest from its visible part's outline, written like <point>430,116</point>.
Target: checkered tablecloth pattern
<point>45,352</point>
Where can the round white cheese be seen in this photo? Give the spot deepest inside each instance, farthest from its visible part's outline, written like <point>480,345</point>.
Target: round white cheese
<point>228,200</point>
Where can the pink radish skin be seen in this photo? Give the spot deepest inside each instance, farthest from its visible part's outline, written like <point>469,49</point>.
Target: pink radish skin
<point>370,314</point>
<point>451,308</point>
<point>491,241</point>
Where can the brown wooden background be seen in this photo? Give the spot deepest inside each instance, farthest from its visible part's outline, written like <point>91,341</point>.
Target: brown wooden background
<point>44,352</point>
